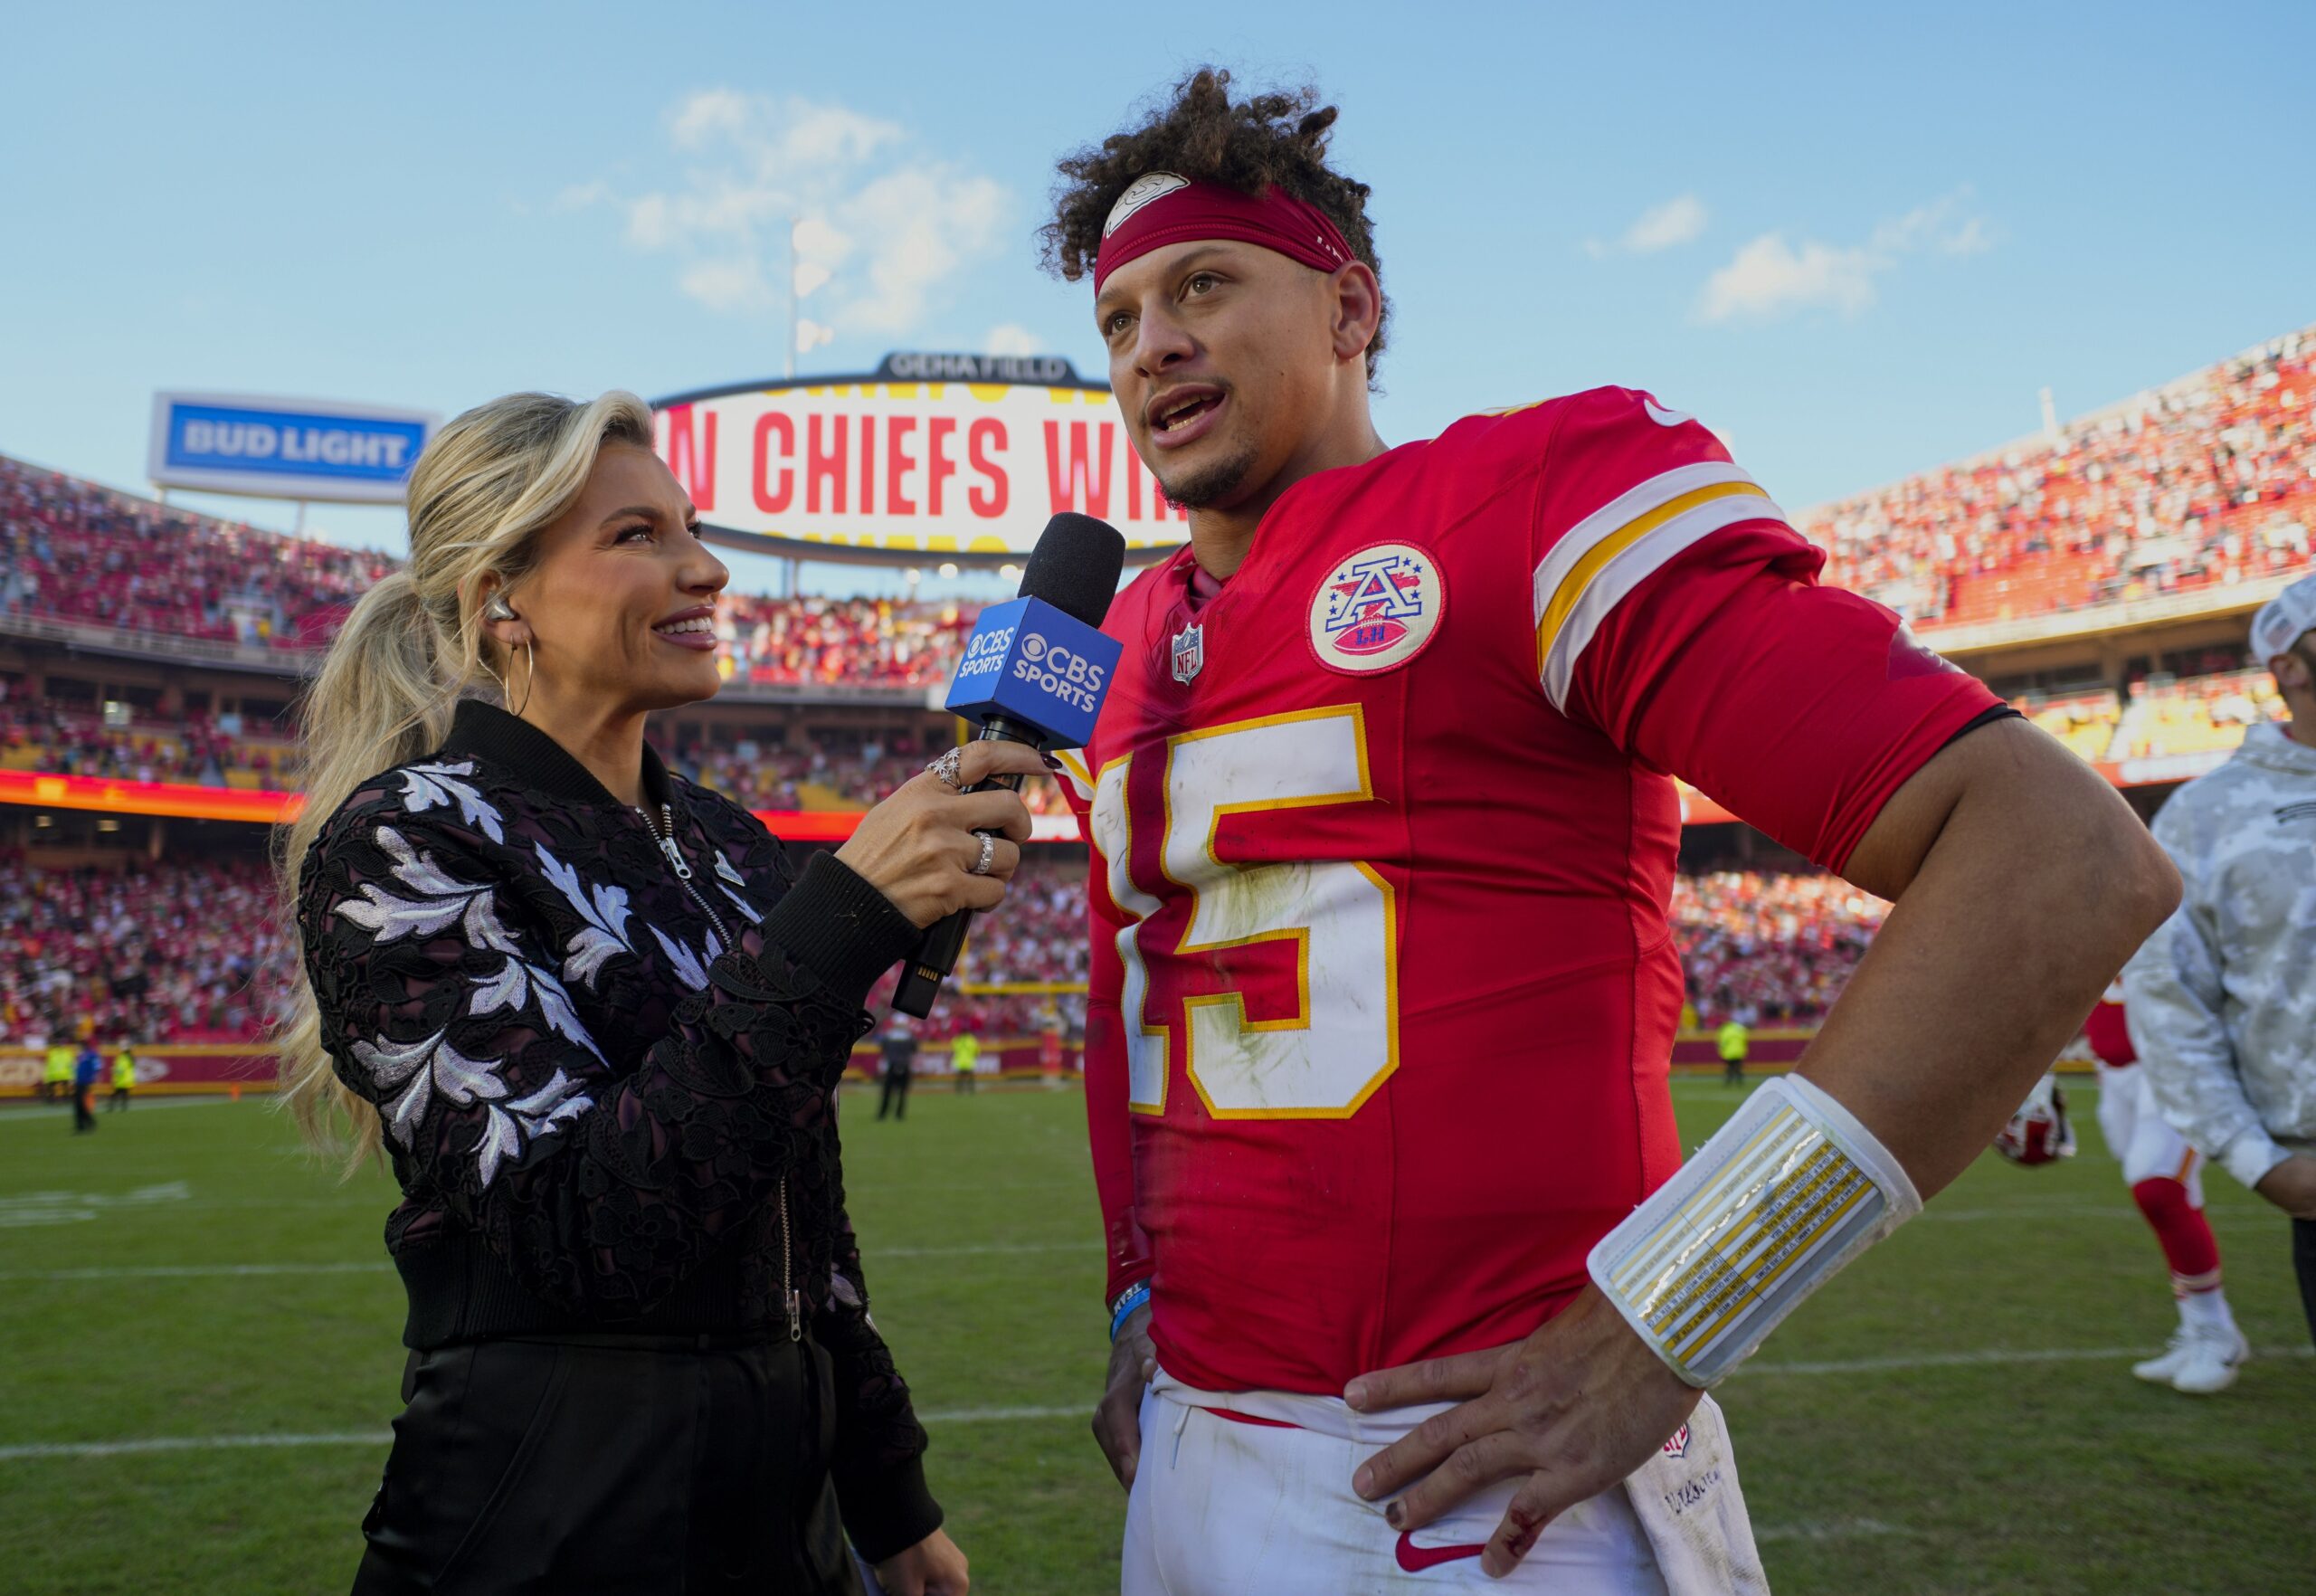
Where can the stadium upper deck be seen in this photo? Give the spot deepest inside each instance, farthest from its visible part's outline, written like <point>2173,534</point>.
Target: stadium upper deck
<point>2200,486</point>
<point>2200,494</point>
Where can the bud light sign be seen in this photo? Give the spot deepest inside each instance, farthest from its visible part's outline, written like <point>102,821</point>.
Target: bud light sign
<point>1030,662</point>
<point>285,448</point>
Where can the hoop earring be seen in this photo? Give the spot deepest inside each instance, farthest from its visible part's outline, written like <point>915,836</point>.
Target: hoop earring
<point>531,676</point>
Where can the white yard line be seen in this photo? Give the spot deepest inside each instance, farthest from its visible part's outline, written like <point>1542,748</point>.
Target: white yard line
<point>1826,1529</point>
<point>191,1271</point>
<point>383,1266</point>
<point>1806,1530</point>
<point>1990,1356</point>
<point>58,1113</point>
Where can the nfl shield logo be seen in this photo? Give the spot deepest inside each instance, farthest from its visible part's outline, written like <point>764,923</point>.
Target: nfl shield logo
<point>1189,653</point>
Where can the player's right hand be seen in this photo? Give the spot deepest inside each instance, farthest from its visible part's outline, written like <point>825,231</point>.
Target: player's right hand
<point>1117,1418</point>
<point>2291,1186</point>
<point>918,848</point>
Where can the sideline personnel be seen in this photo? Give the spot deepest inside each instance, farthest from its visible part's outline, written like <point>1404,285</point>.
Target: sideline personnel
<point>2222,1001</point>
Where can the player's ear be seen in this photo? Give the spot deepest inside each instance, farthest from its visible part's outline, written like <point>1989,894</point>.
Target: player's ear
<point>1357,300</point>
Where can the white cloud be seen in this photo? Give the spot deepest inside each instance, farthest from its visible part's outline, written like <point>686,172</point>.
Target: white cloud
<point>1010,337</point>
<point>1677,221</point>
<point>727,285</point>
<point>1770,277</point>
<point>879,221</point>
<point>580,196</point>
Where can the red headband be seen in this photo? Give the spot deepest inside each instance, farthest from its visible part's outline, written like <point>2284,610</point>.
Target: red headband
<point>1160,208</point>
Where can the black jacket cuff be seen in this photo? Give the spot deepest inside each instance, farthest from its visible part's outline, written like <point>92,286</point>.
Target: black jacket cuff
<point>886,1510</point>
<point>840,928</point>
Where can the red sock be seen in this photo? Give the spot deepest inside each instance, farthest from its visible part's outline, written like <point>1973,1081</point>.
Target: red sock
<point>2188,1245</point>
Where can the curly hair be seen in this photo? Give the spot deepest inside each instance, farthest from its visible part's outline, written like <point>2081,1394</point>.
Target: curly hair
<point>1200,133</point>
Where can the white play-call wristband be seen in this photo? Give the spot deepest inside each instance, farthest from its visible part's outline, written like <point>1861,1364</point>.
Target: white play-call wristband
<point>1787,1192</point>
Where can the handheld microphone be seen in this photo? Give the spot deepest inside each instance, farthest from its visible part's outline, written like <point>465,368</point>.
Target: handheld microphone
<point>1034,670</point>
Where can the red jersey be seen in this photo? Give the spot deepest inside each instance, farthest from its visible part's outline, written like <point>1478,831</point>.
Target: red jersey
<point>2108,1037</point>
<point>1384,991</point>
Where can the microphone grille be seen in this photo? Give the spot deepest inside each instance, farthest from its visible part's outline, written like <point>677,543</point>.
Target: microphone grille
<point>1074,566</point>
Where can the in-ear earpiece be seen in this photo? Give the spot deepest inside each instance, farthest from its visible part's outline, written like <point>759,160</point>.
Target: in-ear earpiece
<point>497,610</point>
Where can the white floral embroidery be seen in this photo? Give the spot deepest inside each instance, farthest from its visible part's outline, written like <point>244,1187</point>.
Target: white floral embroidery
<point>691,969</point>
<point>604,910</point>
<point>725,870</point>
<point>748,909</point>
<point>425,786</point>
<point>426,1069</point>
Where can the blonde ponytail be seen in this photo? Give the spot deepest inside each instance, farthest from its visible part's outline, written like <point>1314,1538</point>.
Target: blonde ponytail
<point>488,484</point>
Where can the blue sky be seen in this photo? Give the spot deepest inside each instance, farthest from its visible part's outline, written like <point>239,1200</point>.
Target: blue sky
<point>1855,243</point>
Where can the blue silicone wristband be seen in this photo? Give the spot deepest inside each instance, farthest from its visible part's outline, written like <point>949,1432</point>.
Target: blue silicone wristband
<point>1133,1297</point>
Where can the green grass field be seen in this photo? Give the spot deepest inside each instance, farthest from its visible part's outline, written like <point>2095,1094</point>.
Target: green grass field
<point>1954,1414</point>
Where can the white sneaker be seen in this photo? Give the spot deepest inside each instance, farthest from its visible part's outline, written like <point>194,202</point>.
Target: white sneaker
<point>2198,1362</point>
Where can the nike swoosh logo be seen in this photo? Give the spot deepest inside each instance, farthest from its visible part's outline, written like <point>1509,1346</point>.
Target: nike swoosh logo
<point>1415,1559</point>
<point>1663,417</point>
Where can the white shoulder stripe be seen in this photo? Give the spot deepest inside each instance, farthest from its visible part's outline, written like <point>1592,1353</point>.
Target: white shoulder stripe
<point>1633,566</point>
<point>1619,513</point>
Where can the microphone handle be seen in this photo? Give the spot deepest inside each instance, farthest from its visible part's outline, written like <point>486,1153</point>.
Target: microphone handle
<point>936,957</point>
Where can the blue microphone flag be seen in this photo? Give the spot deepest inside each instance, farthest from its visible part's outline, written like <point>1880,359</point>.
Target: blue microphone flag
<point>1032,662</point>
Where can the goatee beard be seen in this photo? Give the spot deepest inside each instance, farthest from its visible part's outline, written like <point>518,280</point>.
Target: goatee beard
<point>1211,484</point>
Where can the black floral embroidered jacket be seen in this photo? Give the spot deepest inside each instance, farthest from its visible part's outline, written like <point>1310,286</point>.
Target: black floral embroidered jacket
<point>607,1064</point>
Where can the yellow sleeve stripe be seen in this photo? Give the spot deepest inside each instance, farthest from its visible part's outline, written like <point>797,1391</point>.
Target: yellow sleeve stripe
<point>1073,770</point>
<point>1590,580</point>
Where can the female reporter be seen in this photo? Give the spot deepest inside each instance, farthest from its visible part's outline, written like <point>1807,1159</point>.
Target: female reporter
<point>598,1027</point>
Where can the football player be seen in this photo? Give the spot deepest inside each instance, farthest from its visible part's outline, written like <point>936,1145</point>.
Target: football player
<point>1409,1283</point>
<point>2166,1176</point>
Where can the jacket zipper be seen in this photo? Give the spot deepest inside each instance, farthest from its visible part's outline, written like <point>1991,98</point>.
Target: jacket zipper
<point>666,838</point>
<point>787,1277</point>
<point>667,842</point>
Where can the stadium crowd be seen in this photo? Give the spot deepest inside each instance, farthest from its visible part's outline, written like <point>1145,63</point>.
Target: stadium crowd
<point>2154,716</point>
<point>60,739</point>
<point>71,550</point>
<point>778,641</point>
<point>170,951</point>
<point>2207,481</point>
<point>163,953</point>
<point>1771,948</point>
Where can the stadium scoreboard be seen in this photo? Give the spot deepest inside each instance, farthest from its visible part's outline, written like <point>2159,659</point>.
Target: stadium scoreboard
<point>931,456</point>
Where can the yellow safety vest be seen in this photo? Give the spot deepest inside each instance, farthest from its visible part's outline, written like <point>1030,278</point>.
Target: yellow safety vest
<point>60,1064</point>
<point>1733,1039</point>
<point>965,1053</point>
<point>124,1072</point>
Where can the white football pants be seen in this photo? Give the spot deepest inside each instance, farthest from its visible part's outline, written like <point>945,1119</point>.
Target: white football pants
<point>1223,1508</point>
<point>2139,1134</point>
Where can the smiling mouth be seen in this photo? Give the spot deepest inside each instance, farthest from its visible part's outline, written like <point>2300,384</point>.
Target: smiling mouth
<point>1175,416</point>
<point>700,626</point>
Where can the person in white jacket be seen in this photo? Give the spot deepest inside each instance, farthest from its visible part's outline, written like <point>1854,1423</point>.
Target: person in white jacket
<point>2222,999</point>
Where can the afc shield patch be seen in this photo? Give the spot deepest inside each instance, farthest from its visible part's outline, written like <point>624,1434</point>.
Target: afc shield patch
<point>1678,1447</point>
<point>1377,610</point>
<point>1189,652</point>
